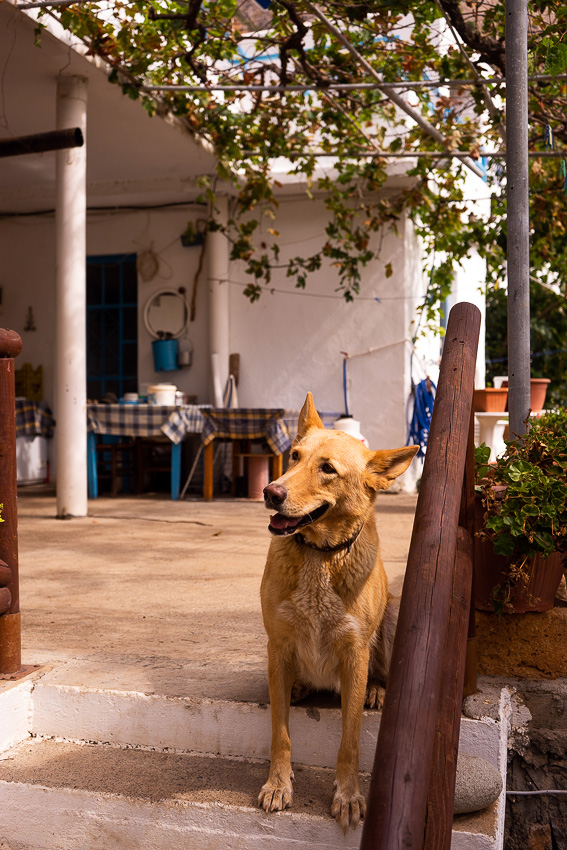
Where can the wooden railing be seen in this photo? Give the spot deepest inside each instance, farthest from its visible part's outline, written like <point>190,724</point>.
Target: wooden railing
<point>10,641</point>
<point>412,789</point>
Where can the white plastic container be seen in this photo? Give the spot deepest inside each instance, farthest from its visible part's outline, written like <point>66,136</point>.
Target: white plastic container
<point>350,426</point>
<point>31,460</point>
<point>162,394</point>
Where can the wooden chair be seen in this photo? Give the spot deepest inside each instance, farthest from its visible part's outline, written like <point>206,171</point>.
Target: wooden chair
<point>115,461</point>
<point>155,455</point>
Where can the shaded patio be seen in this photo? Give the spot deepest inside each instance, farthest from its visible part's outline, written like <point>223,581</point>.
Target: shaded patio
<point>155,596</point>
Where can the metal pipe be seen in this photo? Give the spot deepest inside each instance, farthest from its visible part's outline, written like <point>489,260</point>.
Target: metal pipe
<point>53,140</point>
<point>414,154</point>
<point>401,84</point>
<point>517,191</point>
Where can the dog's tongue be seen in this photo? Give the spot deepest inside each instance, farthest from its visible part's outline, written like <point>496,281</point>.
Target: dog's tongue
<point>281,521</point>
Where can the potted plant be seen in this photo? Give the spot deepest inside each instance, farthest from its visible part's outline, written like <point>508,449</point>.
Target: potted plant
<point>522,519</point>
<point>490,400</point>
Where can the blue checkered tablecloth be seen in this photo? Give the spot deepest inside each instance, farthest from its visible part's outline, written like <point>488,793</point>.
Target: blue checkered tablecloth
<point>247,423</point>
<point>184,420</point>
<point>145,420</point>
<point>33,419</point>
<point>278,427</point>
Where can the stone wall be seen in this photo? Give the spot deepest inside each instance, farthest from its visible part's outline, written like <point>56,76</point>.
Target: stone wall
<point>537,760</point>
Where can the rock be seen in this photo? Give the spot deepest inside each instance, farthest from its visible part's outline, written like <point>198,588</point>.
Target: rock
<point>477,785</point>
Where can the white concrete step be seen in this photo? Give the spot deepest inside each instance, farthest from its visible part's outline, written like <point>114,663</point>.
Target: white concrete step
<point>68,796</point>
<point>220,727</point>
<point>128,732</point>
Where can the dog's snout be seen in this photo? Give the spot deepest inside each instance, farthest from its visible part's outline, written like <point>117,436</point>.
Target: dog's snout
<point>275,495</point>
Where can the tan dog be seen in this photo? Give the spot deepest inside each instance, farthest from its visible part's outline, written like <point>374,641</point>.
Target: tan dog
<point>324,595</point>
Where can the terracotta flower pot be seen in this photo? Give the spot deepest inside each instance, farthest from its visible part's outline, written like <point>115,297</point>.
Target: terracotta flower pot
<point>538,392</point>
<point>492,570</point>
<point>538,388</point>
<point>490,400</point>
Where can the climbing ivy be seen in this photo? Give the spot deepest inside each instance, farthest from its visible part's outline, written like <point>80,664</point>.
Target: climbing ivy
<point>200,42</point>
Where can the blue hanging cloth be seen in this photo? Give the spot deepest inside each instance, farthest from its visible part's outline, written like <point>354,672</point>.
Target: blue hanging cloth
<point>424,398</point>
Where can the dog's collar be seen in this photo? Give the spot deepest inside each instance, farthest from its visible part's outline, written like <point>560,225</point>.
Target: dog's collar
<point>301,541</point>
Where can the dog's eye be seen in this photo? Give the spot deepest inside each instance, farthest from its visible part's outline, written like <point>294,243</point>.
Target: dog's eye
<point>295,455</point>
<point>328,469</point>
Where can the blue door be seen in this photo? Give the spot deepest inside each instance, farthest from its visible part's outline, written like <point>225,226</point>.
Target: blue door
<point>112,325</point>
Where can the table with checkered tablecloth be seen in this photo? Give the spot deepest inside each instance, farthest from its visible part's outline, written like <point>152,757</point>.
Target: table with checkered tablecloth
<point>143,420</point>
<point>276,426</point>
<point>33,419</point>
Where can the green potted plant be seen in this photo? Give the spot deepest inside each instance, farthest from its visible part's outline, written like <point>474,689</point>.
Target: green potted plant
<point>521,537</point>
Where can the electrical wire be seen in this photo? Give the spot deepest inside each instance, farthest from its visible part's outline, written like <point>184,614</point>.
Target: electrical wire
<point>550,791</point>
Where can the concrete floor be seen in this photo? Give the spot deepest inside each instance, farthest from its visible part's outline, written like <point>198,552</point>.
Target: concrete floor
<point>161,597</point>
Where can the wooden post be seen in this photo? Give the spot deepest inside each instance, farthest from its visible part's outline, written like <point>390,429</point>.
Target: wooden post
<point>277,466</point>
<point>467,520</point>
<point>10,633</point>
<point>403,766</point>
<point>440,803</point>
<point>209,472</point>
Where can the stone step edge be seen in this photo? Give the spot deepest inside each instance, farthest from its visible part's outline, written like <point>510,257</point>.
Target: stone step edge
<point>53,817</point>
<point>133,719</point>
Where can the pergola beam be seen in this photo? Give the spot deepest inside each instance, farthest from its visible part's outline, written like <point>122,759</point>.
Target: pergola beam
<point>53,140</point>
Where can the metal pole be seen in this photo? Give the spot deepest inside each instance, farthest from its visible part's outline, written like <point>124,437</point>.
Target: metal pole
<point>518,217</point>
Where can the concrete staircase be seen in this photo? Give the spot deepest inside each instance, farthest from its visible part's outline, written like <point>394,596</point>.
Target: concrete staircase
<point>85,768</point>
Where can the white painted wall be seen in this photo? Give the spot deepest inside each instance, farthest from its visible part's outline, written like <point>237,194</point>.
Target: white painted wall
<point>27,276</point>
<point>136,232</point>
<point>291,340</point>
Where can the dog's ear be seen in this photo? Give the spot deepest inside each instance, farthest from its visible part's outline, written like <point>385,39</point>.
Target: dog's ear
<point>308,418</point>
<point>385,466</point>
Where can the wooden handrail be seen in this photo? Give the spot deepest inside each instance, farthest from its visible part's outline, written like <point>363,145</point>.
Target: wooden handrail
<point>10,641</point>
<point>413,736</point>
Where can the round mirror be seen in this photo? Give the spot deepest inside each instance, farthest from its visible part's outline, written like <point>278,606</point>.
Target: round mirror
<point>166,314</point>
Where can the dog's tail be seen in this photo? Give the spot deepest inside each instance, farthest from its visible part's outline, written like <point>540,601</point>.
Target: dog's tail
<point>382,643</point>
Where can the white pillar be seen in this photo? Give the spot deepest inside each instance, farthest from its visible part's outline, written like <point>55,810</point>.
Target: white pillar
<point>219,295</point>
<point>71,345</point>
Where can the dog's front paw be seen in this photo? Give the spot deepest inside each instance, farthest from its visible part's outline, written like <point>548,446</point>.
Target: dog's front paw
<point>374,696</point>
<point>276,796</point>
<point>348,809</point>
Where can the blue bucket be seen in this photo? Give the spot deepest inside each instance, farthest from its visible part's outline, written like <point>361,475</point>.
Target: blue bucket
<point>165,354</point>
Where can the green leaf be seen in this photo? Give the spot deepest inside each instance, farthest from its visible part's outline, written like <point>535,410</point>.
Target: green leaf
<point>517,470</point>
<point>504,545</point>
<point>556,59</point>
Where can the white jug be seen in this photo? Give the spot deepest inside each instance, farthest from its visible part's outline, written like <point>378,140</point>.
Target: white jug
<point>350,426</point>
